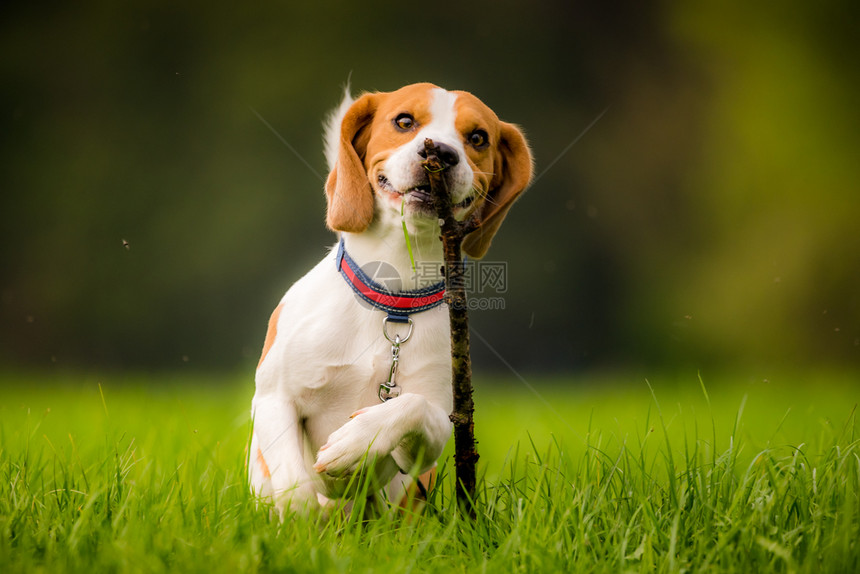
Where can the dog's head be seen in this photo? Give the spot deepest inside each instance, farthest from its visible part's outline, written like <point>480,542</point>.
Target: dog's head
<point>375,147</point>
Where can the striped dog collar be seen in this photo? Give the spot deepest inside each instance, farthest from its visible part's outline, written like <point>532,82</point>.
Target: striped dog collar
<point>400,304</point>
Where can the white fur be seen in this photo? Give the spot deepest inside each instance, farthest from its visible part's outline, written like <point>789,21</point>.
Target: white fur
<point>316,410</point>
<point>404,172</point>
<point>326,364</point>
<point>331,128</point>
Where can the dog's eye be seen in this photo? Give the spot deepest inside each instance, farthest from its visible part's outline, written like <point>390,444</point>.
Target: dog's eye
<point>404,122</point>
<point>479,139</point>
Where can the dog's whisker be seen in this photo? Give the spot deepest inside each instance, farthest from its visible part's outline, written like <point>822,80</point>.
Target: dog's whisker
<point>491,201</point>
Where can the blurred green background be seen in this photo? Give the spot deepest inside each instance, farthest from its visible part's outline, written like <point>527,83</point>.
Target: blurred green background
<point>151,219</point>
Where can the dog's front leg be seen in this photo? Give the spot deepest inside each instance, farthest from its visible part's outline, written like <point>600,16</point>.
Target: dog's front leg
<point>278,467</point>
<point>409,428</point>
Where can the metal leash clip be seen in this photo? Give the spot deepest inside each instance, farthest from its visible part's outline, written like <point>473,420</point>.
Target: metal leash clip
<point>389,389</point>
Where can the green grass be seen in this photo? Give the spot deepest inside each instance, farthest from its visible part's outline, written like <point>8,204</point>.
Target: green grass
<point>147,475</point>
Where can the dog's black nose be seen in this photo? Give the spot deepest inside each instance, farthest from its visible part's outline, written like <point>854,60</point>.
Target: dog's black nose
<point>446,154</point>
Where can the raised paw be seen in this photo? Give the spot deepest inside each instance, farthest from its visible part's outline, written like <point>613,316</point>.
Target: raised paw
<point>348,445</point>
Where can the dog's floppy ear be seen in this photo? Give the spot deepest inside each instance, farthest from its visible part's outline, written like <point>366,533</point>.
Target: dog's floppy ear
<point>513,174</point>
<point>348,191</point>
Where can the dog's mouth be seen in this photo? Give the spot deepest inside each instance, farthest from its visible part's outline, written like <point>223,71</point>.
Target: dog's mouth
<point>420,194</point>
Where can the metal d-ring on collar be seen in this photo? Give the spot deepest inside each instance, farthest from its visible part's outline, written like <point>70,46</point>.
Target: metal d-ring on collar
<point>389,389</point>
<point>398,306</point>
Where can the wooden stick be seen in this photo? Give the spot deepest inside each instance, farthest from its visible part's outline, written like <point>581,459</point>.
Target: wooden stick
<point>453,231</point>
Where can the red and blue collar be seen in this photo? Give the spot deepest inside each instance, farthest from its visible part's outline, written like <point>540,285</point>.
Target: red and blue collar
<point>399,305</point>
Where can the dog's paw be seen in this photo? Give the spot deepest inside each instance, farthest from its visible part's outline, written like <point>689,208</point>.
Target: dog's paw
<point>298,498</point>
<point>346,447</point>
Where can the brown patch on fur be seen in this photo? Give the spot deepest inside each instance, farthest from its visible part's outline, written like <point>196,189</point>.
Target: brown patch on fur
<point>513,172</point>
<point>270,334</point>
<point>413,499</point>
<point>262,462</point>
<point>368,137</point>
<point>348,191</point>
<point>414,100</point>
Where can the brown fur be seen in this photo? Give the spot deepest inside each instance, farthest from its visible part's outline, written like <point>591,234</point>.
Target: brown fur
<point>513,172</point>
<point>502,171</point>
<point>262,462</point>
<point>270,333</point>
<point>349,194</point>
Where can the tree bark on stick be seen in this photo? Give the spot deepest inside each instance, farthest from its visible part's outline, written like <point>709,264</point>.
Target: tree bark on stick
<point>453,232</point>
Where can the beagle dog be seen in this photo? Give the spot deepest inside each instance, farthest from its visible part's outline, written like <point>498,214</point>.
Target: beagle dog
<point>327,400</point>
